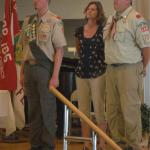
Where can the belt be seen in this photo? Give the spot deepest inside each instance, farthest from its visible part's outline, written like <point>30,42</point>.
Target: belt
<point>31,61</point>
<point>118,65</point>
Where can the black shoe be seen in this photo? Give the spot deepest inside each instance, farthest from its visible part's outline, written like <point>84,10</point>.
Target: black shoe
<point>12,138</point>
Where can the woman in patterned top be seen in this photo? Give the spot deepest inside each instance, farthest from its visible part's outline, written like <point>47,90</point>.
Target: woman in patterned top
<point>90,78</point>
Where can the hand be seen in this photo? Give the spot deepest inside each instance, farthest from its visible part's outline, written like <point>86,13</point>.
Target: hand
<point>22,79</point>
<point>144,72</point>
<point>54,82</point>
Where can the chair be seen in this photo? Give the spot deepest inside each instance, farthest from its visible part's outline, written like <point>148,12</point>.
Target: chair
<point>68,116</point>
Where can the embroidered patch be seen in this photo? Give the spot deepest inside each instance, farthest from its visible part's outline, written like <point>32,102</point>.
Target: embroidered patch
<point>147,38</point>
<point>58,17</point>
<point>138,16</point>
<point>45,27</point>
<point>43,37</point>
<point>144,28</point>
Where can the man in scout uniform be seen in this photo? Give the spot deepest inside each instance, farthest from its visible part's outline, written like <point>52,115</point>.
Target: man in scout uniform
<point>43,40</point>
<point>127,52</point>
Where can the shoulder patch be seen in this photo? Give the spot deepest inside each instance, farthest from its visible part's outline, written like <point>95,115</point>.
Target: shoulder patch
<point>138,16</point>
<point>58,17</point>
<point>144,28</point>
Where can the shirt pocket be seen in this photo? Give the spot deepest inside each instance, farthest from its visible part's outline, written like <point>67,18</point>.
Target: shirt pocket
<point>43,33</point>
<point>120,34</point>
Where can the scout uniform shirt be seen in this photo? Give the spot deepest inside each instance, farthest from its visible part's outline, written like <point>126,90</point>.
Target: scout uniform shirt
<point>49,35</point>
<point>131,35</point>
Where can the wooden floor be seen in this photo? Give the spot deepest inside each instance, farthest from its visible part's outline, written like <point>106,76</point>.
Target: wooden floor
<point>26,146</point>
<point>23,143</point>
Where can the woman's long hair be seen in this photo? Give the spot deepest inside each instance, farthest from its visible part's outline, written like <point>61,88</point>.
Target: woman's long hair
<point>100,12</point>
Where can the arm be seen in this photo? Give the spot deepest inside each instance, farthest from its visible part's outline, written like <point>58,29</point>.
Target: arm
<point>142,39</point>
<point>77,43</point>
<point>146,58</point>
<point>57,63</point>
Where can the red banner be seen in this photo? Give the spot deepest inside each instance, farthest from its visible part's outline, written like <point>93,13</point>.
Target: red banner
<point>16,27</point>
<point>8,77</point>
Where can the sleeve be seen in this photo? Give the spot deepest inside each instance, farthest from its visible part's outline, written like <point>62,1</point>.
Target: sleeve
<point>142,34</point>
<point>58,38</point>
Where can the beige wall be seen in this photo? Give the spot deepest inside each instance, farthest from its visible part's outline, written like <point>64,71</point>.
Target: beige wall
<point>73,9</point>
<point>143,6</point>
<point>68,9</point>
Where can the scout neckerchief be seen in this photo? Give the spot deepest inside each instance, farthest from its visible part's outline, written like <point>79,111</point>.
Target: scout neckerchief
<point>115,19</point>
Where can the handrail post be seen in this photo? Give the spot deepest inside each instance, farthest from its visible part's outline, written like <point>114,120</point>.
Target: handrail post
<point>66,126</point>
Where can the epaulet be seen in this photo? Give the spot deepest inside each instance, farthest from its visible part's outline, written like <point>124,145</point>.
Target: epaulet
<point>56,16</point>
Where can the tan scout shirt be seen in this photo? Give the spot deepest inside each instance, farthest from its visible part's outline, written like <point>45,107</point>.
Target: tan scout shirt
<point>132,34</point>
<point>50,35</point>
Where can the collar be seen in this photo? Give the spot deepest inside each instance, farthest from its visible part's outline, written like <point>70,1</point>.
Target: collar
<point>43,18</point>
<point>126,12</point>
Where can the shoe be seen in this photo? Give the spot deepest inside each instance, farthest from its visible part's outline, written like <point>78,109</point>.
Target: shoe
<point>11,139</point>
